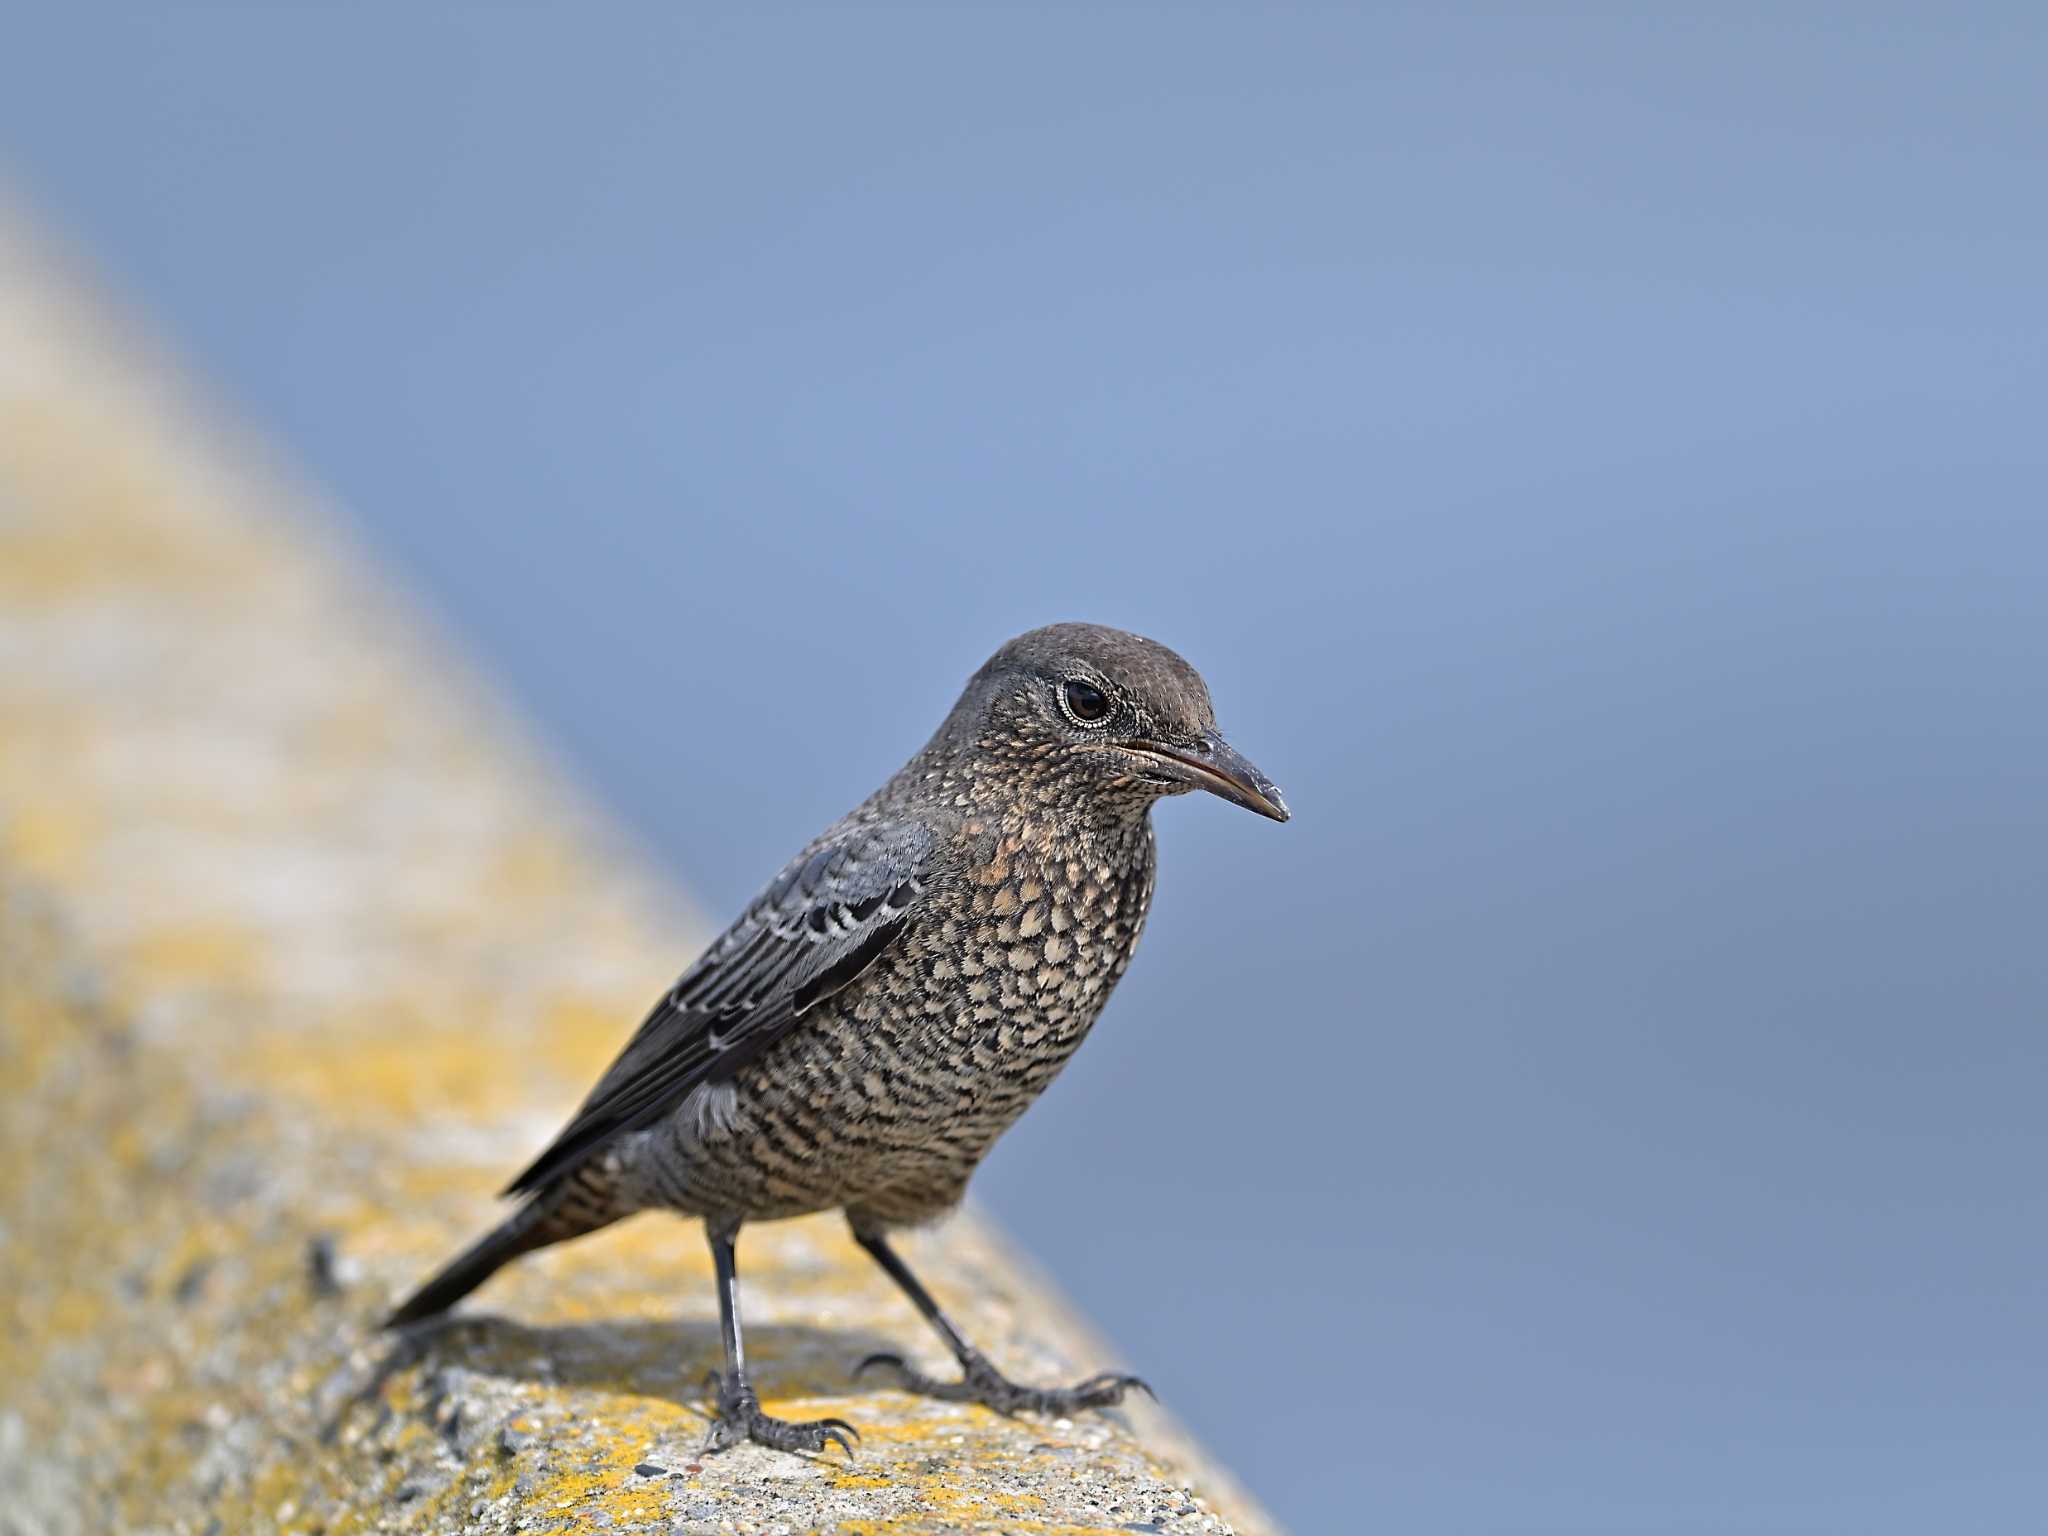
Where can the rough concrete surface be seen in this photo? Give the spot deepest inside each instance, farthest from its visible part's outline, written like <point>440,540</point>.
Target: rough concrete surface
<point>302,947</point>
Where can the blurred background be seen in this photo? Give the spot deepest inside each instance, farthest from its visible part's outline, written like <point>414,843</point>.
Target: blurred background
<point>1596,456</point>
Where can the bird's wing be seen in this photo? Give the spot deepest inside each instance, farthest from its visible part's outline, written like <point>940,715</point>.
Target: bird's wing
<point>820,923</point>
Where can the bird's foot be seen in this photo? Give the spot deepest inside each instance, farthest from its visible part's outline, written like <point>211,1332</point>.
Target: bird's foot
<point>982,1383</point>
<point>740,1419</point>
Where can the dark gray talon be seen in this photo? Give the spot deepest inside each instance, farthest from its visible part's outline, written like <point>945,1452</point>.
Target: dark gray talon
<point>740,1419</point>
<point>832,1436</point>
<point>982,1383</point>
<point>1117,1381</point>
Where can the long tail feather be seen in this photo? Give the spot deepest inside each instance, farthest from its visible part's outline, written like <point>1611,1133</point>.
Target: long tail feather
<point>555,1215</point>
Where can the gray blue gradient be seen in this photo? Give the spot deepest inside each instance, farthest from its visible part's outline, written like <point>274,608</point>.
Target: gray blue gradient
<point>1597,457</point>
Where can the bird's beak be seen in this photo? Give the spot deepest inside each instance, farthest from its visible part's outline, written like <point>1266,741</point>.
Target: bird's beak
<point>1215,765</point>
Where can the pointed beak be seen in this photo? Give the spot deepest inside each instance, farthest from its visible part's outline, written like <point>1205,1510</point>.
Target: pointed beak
<point>1215,765</point>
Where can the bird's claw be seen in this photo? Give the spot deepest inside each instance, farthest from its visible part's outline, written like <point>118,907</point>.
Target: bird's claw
<point>740,1419</point>
<point>982,1383</point>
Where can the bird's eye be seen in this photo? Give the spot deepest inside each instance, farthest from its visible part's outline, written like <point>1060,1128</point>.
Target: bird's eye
<point>1084,703</point>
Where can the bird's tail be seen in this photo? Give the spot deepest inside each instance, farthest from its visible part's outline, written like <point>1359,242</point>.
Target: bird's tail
<point>568,1208</point>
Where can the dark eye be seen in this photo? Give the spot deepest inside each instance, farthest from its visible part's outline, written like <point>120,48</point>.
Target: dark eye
<point>1083,701</point>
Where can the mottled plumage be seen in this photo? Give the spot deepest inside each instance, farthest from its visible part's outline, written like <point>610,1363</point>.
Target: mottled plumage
<point>899,993</point>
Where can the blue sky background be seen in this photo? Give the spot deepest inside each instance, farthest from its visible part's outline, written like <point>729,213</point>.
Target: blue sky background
<point>1597,456</point>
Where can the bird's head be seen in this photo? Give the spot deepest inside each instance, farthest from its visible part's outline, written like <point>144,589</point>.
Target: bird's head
<point>1080,710</point>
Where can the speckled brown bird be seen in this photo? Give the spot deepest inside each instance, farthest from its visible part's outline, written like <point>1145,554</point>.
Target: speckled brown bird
<point>897,997</point>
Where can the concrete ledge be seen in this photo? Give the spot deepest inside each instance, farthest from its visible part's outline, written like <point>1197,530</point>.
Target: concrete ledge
<point>302,947</point>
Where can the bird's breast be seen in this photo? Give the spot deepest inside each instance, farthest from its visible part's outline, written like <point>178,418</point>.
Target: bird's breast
<point>1009,964</point>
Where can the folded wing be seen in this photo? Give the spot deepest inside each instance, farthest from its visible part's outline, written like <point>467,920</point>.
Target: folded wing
<point>825,919</point>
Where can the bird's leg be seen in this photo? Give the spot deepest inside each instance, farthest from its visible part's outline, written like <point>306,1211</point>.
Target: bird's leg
<point>739,1409</point>
<point>981,1382</point>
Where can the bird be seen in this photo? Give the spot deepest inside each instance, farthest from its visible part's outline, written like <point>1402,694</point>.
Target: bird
<point>893,1000</point>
